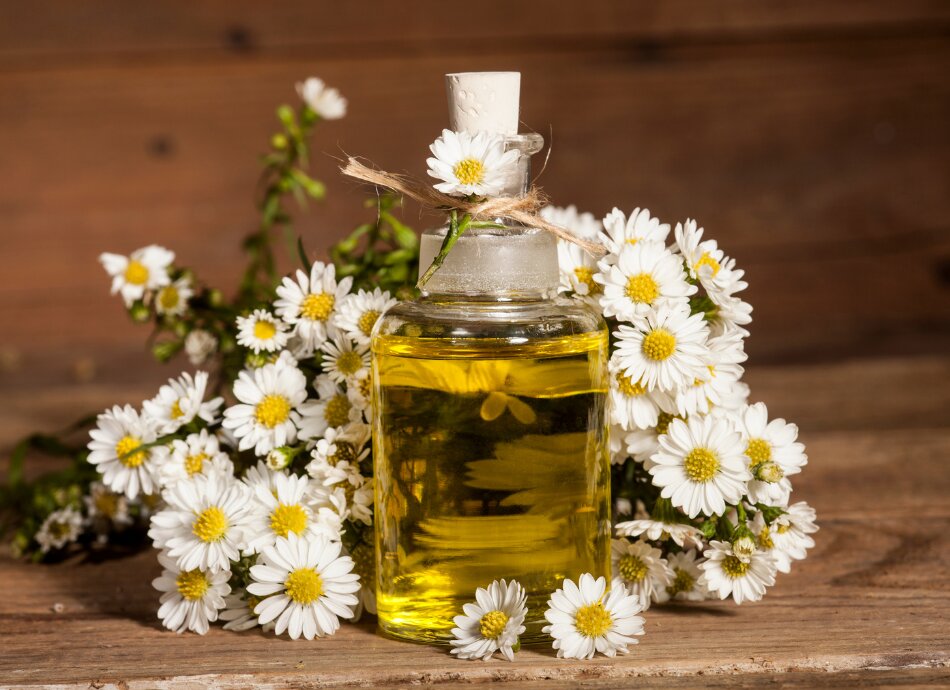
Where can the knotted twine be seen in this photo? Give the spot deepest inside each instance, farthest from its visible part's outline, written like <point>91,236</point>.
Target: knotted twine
<point>520,209</point>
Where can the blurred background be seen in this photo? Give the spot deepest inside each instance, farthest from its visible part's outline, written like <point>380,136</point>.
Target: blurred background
<point>811,139</point>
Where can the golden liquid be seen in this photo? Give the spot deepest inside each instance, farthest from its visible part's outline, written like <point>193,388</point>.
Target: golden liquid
<point>491,462</point>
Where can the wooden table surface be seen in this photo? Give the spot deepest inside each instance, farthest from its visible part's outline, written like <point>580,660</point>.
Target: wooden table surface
<point>870,606</point>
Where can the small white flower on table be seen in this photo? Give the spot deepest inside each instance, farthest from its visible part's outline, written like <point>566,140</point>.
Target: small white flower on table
<point>491,624</point>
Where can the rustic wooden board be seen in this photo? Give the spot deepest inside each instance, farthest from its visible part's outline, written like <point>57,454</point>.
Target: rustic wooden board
<point>869,607</point>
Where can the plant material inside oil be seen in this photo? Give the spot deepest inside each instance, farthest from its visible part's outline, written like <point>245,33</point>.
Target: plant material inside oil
<point>491,462</point>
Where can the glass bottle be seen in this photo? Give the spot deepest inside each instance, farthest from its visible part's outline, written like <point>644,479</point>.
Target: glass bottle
<point>489,431</point>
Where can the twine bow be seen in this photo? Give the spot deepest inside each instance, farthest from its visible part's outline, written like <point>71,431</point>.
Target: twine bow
<point>520,209</point>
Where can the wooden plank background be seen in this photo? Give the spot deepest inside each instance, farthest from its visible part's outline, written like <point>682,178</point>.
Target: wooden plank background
<point>810,138</point>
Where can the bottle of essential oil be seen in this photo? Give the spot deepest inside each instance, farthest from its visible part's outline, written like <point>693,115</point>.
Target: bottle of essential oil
<point>489,435</point>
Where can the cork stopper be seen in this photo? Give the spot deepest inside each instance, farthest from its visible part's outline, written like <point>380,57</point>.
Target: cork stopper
<point>484,101</point>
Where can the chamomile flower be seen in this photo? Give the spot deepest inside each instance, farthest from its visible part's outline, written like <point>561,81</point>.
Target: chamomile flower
<point>577,267</point>
<point>180,401</point>
<point>358,313</point>
<point>656,530</point>
<point>239,611</point>
<point>203,525</point>
<point>641,278</point>
<point>322,99</point>
<point>700,466</point>
<point>266,416</point>
<point>200,345</point>
<point>584,618</point>
<point>196,455</point>
<point>790,535</point>
<point>348,444</point>
<point>641,444</point>
<point>191,599</point>
<point>621,230</point>
<point>359,390</point>
<point>332,408</point>
<point>61,527</point>
<point>280,510</point>
<point>172,300</point>
<point>106,509</point>
<point>308,303</point>
<point>305,585</point>
<point>472,163</point>
<point>640,567</point>
<point>145,269</point>
<point>344,480</point>
<point>491,624</point>
<point>773,453</point>
<point>341,358</point>
<point>584,225</point>
<point>631,404</point>
<point>664,349</point>
<point>726,574</point>
<point>261,331</point>
<point>119,449</point>
<point>723,356</point>
<point>686,583</point>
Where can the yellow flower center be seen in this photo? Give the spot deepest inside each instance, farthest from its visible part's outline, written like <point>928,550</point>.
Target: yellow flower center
<point>264,330</point>
<point>192,584</point>
<point>317,306</point>
<point>492,624</point>
<point>633,240</point>
<point>272,410</point>
<point>765,539</point>
<point>585,275</point>
<point>106,503</point>
<point>663,421</point>
<point>348,363</point>
<point>304,585</point>
<point>632,568</point>
<point>701,465</point>
<point>337,412</point>
<point>469,171</point>
<point>658,345</point>
<point>628,387</point>
<point>682,582</point>
<point>365,386</point>
<point>136,273</point>
<point>176,412</point>
<point>168,297</point>
<point>707,260</point>
<point>758,451</point>
<point>194,463</point>
<point>733,567</point>
<point>782,528</point>
<point>367,320</point>
<point>126,451</point>
<point>642,288</point>
<point>288,518</point>
<point>210,525</point>
<point>592,620</point>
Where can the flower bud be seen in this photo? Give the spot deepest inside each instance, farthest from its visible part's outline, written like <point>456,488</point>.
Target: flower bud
<point>139,312</point>
<point>279,142</point>
<point>256,360</point>
<point>769,472</point>
<point>279,458</point>
<point>744,547</point>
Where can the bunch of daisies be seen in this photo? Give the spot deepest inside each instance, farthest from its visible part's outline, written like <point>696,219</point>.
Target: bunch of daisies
<point>701,477</point>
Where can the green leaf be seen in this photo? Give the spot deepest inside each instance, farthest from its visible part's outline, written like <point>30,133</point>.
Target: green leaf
<point>404,235</point>
<point>302,253</point>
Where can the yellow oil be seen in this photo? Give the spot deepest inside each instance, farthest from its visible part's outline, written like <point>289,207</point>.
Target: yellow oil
<point>491,462</point>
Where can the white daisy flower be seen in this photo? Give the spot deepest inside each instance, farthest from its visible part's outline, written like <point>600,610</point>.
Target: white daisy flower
<point>640,567</point>
<point>585,618</point>
<point>119,451</point>
<point>664,349</point>
<point>332,408</point>
<point>342,358</point>
<point>200,345</point>
<point>356,489</point>
<point>700,466</point>
<point>577,267</point>
<point>238,611</point>
<point>172,300</point>
<point>348,444</point>
<point>723,356</point>
<point>641,444</point>
<point>197,455</point>
<point>145,269</point>
<point>280,510</point>
<point>308,303</point>
<point>656,530</point>
<point>261,331</point>
<point>359,312</point>
<point>181,400</point>
<point>631,404</point>
<point>306,586</point>
<point>584,225</point>
<point>472,163</point>
<point>773,453</point>
<point>789,536</point>
<point>108,507</point>
<point>640,278</point>
<point>191,599</point>
<point>726,574</point>
<point>204,523</point>
<point>322,99</point>
<point>491,624</point>
<point>686,583</point>
<point>619,230</point>
<point>266,416</point>
<point>359,389</point>
<point>61,527</point>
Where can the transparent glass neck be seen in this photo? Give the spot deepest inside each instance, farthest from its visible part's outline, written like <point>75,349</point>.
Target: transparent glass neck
<point>505,264</point>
